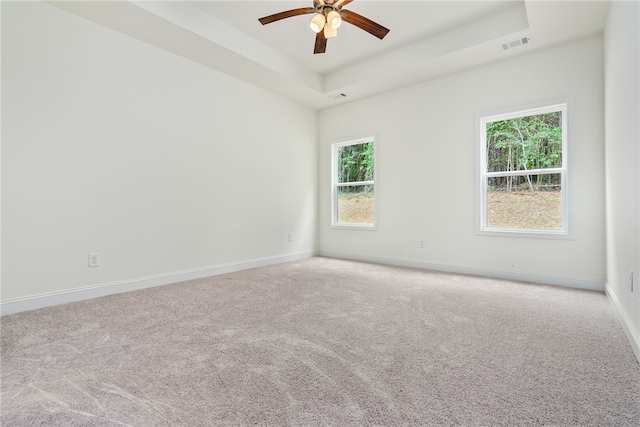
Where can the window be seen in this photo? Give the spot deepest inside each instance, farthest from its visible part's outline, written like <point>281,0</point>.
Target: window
<point>523,172</point>
<point>353,172</point>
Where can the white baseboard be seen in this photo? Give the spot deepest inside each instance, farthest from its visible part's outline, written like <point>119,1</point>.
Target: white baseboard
<point>568,282</point>
<point>633,335</point>
<point>78,294</point>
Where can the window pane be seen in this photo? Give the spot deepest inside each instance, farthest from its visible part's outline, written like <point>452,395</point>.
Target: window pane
<point>355,162</point>
<point>355,204</point>
<point>530,142</point>
<point>525,202</point>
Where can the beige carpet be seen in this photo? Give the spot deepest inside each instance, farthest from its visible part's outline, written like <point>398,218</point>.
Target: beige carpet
<point>323,342</point>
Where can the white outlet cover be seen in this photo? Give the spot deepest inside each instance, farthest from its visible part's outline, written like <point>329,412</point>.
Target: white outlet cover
<point>94,259</point>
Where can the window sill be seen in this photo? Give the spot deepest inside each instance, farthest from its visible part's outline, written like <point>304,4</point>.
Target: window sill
<point>370,227</point>
<point>527,234</point>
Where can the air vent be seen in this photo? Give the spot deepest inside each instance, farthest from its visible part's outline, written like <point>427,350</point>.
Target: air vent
<point>515,43</point>
<point>337,96</point>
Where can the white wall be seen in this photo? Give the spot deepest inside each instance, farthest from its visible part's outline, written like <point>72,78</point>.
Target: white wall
<point>161,165</point>
<point>168,168</point>
<point>426,180</point>
<point>622,133</point>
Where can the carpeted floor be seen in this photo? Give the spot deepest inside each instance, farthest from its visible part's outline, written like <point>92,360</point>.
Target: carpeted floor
<point>323,342</point>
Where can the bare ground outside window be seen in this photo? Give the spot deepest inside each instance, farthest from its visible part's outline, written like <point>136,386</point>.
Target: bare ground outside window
<point>356,208</point>
<point>533,210</point>
<point>537,210</point>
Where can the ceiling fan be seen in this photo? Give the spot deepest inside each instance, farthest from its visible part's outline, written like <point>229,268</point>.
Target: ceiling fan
<point>327,19</point>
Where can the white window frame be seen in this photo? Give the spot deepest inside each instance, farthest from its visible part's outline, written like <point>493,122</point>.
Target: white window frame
<point>481,226</point>
<point>335,184</point>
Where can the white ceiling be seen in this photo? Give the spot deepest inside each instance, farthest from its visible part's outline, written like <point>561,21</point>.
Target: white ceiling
<point>409,21</point>
<point>427,39</point>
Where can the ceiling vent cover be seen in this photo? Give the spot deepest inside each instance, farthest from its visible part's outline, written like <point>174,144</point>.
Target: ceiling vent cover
<point>337,96</point>
<point>515,43</point>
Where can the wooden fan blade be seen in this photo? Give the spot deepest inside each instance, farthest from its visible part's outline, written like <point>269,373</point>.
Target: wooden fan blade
<point>364,23</point>
<point>341,3</point>
<point>286,14</point>
<point>321,43</point>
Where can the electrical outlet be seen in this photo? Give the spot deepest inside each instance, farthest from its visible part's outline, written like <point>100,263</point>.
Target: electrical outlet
<point>290,237</point>
<point>421,244</point>
<point>94,259</point>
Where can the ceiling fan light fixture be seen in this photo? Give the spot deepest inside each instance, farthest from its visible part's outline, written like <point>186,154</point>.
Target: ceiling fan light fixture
<point>334,19</point>
<point>328,16</point>
<point>317,23</point>
<point>329,32</point>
